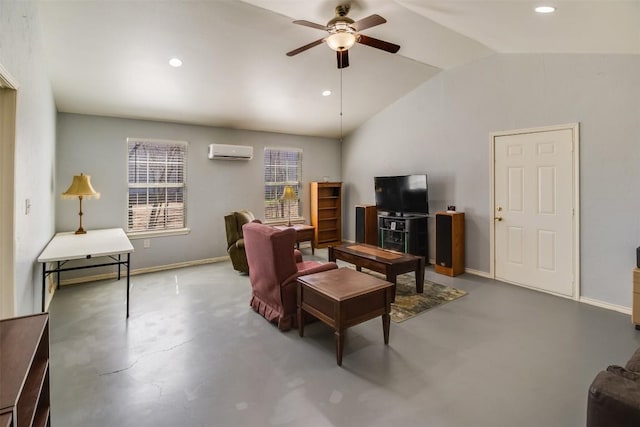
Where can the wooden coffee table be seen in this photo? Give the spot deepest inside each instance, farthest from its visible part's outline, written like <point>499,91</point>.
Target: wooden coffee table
<point>343,298</point>
<point>304,233</point>
<point>389,263</point>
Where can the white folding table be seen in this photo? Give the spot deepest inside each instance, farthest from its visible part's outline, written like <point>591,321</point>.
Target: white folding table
<point>67,246</point>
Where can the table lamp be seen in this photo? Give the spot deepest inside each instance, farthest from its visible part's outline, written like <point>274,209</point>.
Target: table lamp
<point>289,194</point>
<point>81,188</point>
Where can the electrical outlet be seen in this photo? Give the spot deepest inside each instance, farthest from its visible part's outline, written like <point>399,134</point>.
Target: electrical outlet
<point>27,206</point>
<point>147,243</point>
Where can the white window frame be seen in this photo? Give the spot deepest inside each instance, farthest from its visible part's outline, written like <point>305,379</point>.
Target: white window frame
<point>139,234</point>
<point>270,198</point>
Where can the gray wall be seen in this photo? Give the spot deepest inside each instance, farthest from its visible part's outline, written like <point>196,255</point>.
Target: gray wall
<point>97,147</point>
<point>443,129</point>
<point>22,56</point>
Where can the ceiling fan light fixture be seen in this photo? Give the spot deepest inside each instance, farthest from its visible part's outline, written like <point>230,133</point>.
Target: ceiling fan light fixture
<point>341,41</point>
<point>344,32</point>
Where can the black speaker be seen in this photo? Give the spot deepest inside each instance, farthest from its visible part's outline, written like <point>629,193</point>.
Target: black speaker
<point>367,224</point>
<point>449,243</point>
<point>638,257</point>
<point>444,241</point>
<point>359,224</point>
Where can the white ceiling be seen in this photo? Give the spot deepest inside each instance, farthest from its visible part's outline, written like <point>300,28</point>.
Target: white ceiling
<point>110,58</point>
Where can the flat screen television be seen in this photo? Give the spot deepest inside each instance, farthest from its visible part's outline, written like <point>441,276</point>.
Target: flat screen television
<point>400,195</point>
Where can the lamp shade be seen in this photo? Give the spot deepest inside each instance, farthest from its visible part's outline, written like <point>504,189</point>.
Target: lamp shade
<point>341,41</point>
<point>81,186</point>
<point>289,193</point>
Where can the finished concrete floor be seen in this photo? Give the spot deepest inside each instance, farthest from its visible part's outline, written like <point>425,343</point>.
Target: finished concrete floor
<point>193,353</point>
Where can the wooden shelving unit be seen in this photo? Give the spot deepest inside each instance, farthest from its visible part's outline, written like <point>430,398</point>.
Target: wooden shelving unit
<point>5,420</point>
<point>326,213</point>
<point>24,371</point>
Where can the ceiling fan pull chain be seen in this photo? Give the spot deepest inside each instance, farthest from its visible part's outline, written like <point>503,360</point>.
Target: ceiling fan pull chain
<point>341,105</point>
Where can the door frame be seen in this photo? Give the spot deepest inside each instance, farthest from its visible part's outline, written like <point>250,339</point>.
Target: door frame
<point>8,101</point>
<point>575,128</point>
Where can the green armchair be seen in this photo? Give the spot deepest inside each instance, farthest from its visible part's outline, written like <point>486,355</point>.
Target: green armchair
<point>235,240</point>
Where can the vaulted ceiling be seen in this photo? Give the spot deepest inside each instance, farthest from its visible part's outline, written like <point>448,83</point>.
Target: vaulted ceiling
<point>110,58</point>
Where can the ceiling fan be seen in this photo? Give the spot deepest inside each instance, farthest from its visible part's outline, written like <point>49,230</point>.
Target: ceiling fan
<point>344,32</point>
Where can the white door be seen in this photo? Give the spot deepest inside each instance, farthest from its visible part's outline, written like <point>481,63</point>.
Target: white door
<point>534,221</point>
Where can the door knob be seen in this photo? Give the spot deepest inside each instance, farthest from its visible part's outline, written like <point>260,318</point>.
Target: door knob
<point>498,218</point>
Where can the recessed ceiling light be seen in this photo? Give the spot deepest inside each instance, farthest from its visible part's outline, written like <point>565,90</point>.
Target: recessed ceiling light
<point>545,9</point>
<point>175,62</point>
<point>326,93</point>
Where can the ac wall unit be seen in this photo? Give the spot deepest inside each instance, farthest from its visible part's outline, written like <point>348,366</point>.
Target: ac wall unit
<point>230,152</point>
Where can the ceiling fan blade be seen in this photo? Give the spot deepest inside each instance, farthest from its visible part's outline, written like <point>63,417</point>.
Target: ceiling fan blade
<point>379,44</point>
<point>343,58</point>
<point>310,24</point>
<point>368,22</point>
<point>305,47</point>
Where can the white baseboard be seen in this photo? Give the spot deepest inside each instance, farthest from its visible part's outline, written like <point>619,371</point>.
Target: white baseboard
<point>478,273</point>
<point>609,306</point>
<point>590,301</point>
<point>107,276</point>
<point>470,271</point>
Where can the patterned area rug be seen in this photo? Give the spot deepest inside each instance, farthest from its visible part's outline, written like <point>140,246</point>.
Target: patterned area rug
<point>409,304</point>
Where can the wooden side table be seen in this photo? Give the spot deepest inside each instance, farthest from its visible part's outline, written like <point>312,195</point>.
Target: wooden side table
<point>343,298</point>
<point>304,233</point>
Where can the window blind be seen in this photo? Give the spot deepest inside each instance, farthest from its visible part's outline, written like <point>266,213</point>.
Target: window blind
<point>156,181</point>
<point>282,167</point>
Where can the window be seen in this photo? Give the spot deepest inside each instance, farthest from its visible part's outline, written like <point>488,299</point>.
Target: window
<point>282,166</point>
<point>156,180</point>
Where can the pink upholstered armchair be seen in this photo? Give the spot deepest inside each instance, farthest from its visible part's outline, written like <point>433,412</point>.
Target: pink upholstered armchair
<point>274,265</point>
